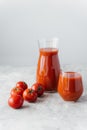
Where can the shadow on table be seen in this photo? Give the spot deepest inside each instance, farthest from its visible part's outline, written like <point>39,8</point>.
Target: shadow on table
<point>25,107</point>
<point>43,98</point>
<point>83,98</point>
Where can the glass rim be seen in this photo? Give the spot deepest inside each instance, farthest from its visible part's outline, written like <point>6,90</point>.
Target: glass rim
<point>68,73</point>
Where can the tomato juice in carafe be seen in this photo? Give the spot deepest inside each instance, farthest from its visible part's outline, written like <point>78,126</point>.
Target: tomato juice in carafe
<point>48,68</point>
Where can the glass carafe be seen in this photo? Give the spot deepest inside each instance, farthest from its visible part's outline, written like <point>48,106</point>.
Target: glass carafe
<point>48,68</point>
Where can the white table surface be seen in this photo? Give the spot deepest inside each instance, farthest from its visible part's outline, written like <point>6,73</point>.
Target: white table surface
<point>49,112</point>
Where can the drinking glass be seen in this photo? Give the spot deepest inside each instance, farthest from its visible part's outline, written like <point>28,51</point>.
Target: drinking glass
<point>70,86</point>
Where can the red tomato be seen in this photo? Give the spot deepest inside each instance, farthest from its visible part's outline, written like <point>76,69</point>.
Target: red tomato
<point>38,88</point>
<point>21,84</point>
<point>30,95</point>
<point>17,91</point>
<point>15,101</point>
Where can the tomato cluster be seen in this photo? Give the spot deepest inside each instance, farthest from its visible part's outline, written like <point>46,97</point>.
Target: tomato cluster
<point>21,92</point>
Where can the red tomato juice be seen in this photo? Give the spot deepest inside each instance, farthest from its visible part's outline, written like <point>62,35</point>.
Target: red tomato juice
<point>70,86</point>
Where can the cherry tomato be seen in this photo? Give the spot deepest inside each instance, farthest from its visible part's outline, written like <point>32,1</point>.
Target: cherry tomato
<point>38,88</point>
<point>30,95</point>
<point>17,91</point>
<point>21,84</point>
<point>15,101</point>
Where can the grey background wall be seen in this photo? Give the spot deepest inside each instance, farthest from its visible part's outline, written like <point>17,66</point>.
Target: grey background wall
<point>23,22</point>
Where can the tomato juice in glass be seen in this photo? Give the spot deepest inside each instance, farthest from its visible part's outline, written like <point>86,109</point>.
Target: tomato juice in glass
<point>70,86</point>
<point>48,68</point>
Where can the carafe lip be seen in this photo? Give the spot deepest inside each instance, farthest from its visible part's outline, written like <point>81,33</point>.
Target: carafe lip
<point>49,43</point>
